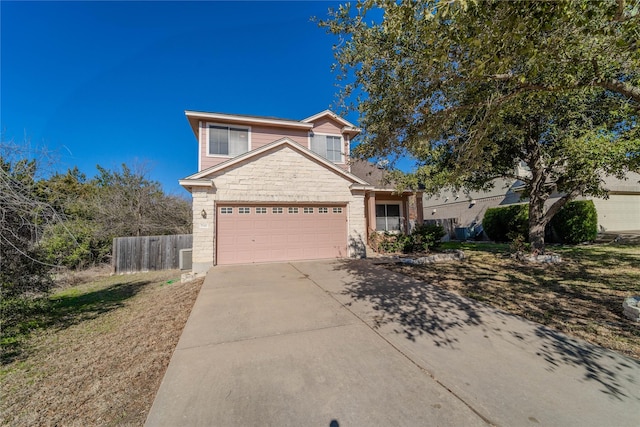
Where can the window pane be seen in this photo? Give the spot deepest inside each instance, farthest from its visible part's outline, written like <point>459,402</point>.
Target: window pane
<point>238,141</point>
<point>333,148</point>
<point>393,223</point>
<point>388,218</point>
<point>218,140</point>
<point>319,145</point>
<point>393,210</point>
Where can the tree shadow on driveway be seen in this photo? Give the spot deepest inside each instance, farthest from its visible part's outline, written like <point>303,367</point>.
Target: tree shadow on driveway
<point>419,310</point>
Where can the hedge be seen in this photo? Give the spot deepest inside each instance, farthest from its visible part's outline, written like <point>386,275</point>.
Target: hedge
<point>576,222</point>
<point>501,223</point>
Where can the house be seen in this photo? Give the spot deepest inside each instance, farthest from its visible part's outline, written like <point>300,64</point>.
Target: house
<point>619,212</point>
<point>270,189</point>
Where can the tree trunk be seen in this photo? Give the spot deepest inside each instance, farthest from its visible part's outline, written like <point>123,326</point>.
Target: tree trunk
<point>538,194</point>
<point>537,223</point>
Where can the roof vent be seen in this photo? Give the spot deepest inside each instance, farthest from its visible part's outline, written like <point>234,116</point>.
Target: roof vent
<point>382,164</point>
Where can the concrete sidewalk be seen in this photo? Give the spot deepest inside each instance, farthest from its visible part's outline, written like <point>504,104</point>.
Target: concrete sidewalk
<point>346,343</point>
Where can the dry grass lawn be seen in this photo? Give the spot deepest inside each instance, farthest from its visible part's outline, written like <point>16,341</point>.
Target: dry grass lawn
<point>101,355</point>
<point>582,296</point>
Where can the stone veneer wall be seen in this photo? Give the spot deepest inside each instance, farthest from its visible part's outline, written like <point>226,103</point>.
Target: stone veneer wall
<point>203,229</point>
<point>282,175</point>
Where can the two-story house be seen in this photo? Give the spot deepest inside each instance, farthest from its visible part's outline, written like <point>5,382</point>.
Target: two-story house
<point>270,189</point>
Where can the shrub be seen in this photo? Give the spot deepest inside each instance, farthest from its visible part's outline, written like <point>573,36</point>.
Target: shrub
<point>389,242</point>
<point>426,237</point>
<point>74,244</point>
<point>423,237</point>
<point>501,223</point>
<point>576,222</point>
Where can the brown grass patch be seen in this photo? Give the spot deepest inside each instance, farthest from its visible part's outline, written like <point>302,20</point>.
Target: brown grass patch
<point>582,296</point>
<point>102,360</point>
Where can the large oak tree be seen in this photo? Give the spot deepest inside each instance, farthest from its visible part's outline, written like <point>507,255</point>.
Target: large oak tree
<point>474,89</point>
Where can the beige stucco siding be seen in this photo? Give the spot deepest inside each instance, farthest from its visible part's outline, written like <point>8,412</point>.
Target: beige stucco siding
<point>621,212</point>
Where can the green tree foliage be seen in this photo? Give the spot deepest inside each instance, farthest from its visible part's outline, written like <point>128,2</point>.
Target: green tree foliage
<point>133,205</point>
<point>65,220</point>
<point>547,93</point>
<point>115,203</point>
<point>23,216</point>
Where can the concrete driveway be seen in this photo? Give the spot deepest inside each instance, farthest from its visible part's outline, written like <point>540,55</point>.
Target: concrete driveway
<point>347,343</point>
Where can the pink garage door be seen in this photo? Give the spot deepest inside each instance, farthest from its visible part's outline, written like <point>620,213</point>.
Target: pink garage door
<point>255,233</point>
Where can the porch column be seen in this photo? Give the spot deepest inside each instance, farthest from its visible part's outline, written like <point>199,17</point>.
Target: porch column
<point>203,229</point>
<point>412,212</point>
<point>371,213</point>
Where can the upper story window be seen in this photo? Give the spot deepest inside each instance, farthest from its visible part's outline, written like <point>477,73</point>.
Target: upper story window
<point>328,146</point>
<point>227,140</point>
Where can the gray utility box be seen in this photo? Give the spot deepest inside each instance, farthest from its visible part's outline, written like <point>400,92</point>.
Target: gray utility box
<point>185,258</point>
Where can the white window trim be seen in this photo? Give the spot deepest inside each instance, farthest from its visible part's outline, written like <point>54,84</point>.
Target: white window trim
<point>342,146</point>
<point>207,126</point>
<point>391,202</point>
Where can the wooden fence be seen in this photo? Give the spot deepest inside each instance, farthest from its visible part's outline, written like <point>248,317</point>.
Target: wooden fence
<point>132,254</point>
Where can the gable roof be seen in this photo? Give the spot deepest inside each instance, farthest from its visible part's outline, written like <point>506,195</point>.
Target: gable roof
<point>195,116</point>
<point>347,127</point>
<point>332,115</point>
<point>198,178</point>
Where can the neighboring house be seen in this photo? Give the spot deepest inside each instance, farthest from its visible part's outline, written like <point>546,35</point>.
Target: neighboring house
<point>270,189</point>
<point>619,212</point>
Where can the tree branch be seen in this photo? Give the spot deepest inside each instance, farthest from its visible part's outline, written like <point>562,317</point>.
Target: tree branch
<point>622,88</point>
<point>558,204</point>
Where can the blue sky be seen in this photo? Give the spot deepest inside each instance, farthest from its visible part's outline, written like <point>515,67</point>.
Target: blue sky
<point>108,82</point>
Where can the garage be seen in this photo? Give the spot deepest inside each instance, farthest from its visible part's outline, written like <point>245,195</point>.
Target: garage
<point>250,233</point>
